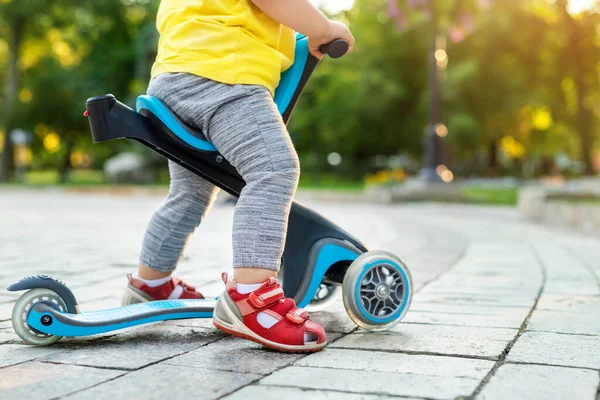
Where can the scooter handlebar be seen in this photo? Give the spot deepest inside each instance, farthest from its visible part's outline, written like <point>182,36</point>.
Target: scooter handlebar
<point>335,49</point>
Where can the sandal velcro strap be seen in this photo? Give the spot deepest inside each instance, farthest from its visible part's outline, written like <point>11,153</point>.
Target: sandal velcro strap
<point>177,281</point>
<point>260,299</point>
<point>297,315</point>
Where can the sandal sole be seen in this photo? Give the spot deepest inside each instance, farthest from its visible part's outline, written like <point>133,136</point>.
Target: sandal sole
<point>237,331</point>
<point>268,344</point>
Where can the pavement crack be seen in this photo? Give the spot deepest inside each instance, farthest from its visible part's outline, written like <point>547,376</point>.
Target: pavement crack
<point>281,367</point>
<point>419,353</point>
<point>383,371</point>
<point>472,325</point>
<point>87,365</point>
<point>552,365</point>
<point>127,371</point>
<point>89,387</point>
<point>585,264</point>
<point>502,359</point>
<point>354,392</point>
<point>564,333</point>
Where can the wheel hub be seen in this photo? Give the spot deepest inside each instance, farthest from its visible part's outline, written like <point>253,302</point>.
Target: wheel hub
<point>382,291</point>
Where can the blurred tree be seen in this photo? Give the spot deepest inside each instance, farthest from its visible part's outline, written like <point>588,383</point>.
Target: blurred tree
<point>367,103</point>
<point>582,54</point>
<point>76,50</point>
<point>15,18</point>
<point>455,18</point>
<point>521,86</point>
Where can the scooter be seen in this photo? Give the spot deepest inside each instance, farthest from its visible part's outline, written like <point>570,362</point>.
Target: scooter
<point>319,256</point>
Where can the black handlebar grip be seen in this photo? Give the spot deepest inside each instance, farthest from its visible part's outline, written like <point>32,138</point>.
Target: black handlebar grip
<point>335,49</point>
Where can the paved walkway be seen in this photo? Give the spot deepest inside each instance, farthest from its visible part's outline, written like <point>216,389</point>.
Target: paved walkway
<point>503,309</point>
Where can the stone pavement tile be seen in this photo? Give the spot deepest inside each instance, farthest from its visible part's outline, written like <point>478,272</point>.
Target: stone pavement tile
<point>569,303</point>
<point>372,382</point>
<point>6,310</point>
<point>233,354</point>
<point>37,380</point>
<point>100,293</point>
<point>490,299</point>
<point>335,318</point>
<point>438,339</point>
<point>264,392</point>
<point>200,323</point>
<point>505,320</point>
<point>161,381</point>
<point>17,353</point>
<point>580,287</point>
<point>450,367</point>
<point>135,348</point>
<point>487,280</point>
<point>557,349</point>
<point>565,322</point>
<point>560,264</point>
<point>105,303</point>
<point>417,305</point>
<point>5,324</point>
<point>8,335</point>
<point>478,289</point>
<point>534,382</point>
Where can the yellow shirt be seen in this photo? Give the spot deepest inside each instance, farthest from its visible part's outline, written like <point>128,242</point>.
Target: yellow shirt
<point>229,41</point>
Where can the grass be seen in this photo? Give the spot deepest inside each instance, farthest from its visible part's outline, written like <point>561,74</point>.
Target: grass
<point>331,183</point>
<point>471,194</point>
<point>76,177</point>
<point>495,196</point>
<point>96,178</point>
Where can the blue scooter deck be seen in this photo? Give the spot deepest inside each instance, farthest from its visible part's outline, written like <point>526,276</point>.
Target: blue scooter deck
<point>103,321</point>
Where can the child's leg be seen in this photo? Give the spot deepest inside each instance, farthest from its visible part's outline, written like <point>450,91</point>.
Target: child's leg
<point>251,135</point>
<point>249,131</point>
<point>190,198</point>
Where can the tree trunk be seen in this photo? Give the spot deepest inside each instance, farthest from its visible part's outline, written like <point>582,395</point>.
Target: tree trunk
<point>433,143</point>
<point>583,122</point>
<point>492,168</point>
<point>10,97</point>
<point>65,166</point>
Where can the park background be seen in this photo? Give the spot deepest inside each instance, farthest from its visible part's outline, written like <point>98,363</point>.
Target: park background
<point>437,90</point>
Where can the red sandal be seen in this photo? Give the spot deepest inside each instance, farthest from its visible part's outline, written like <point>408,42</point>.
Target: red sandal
<point>138,292</point>
<point>237,313</point>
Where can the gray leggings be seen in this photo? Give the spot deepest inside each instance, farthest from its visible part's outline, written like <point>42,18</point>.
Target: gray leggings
<point>243,123</point>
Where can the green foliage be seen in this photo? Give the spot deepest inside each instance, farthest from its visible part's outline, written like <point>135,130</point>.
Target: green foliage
<point>513,72</point>
<point>497,196</point>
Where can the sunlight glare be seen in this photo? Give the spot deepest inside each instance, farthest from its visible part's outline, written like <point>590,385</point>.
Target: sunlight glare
<point>579,6</point>
<point>334,6</point>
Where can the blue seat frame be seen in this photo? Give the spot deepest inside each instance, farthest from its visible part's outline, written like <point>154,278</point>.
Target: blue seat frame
<point>288,85</point>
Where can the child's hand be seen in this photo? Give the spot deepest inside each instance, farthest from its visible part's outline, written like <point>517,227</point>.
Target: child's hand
<point>302,16</point>
<point>337,31</point>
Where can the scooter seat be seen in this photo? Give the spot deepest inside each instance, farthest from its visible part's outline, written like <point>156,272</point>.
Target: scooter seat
<point>168,121</point>
<point>285,95</point>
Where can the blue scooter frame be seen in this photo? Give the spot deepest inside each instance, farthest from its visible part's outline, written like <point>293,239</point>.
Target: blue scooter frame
<point>376,286</point>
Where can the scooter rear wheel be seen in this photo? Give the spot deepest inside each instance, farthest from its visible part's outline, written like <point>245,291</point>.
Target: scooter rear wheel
<point>377,290</point>
<point>323,299</point>
<point>21,312</point>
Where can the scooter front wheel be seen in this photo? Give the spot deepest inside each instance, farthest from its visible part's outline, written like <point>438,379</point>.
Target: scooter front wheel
<point>377,290</point>
<point>23,307</point>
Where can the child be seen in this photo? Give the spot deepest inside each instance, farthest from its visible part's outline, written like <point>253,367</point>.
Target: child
<point>217,68</point>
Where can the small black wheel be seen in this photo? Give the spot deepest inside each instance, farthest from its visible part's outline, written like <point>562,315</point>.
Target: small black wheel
<point>377,290</point>
<point>21,312</point>
<point>324,298</point>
